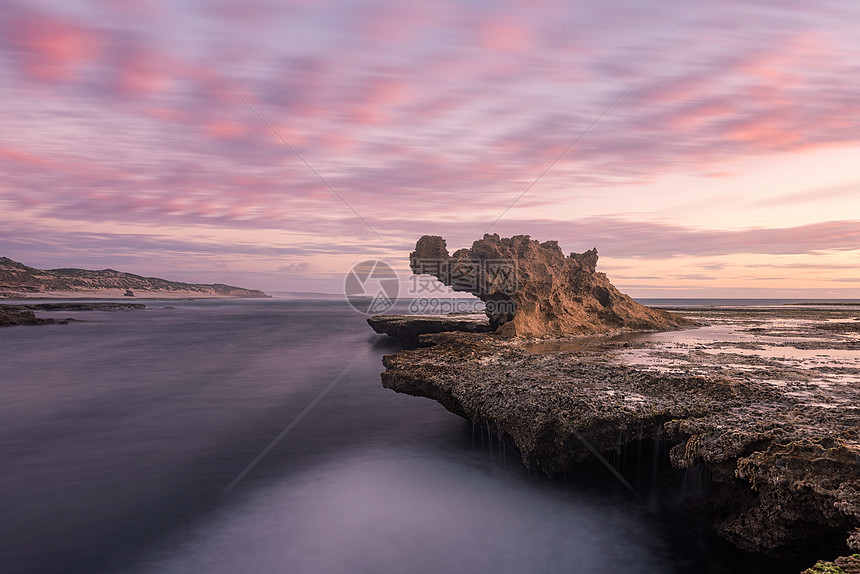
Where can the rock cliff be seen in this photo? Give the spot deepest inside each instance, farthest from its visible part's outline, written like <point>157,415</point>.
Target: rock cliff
<point>532,289</point>
<point>775,440</point>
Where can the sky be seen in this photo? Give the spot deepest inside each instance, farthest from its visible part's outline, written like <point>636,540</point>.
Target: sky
<point>706,149</point>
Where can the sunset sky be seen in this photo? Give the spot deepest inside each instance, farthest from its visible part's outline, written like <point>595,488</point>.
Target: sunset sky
<point>730,165</point>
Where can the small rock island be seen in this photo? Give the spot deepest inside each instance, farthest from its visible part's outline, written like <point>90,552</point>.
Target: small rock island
<point>774,440</point>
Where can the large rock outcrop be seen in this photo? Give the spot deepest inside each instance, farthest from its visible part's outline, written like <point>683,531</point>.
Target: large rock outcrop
<point>532,290</point>
<point>769,436</point>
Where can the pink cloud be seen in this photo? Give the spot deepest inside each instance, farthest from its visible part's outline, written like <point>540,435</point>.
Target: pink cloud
<point>399,23</point>
<point>165,114</point>
<point>134,8</point>
<point>20,157</point>
<point>249,12</point>
<point>699,113</point>
<point>225,129</point>
<point>614,238</point>
<point>139,71</point>
<point>798,53</point>
<point>763,133</point>
<point>47,47</point>
<point>620,238</point>
<point>387,91</point>
<point>505,34</point>
<point>337,142</point>
<point>373,101</point>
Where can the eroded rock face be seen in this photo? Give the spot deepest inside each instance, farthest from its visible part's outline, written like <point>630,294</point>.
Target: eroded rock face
<point>533,290</point>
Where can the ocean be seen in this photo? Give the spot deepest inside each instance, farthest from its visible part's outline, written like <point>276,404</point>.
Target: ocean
<point>144,442</point>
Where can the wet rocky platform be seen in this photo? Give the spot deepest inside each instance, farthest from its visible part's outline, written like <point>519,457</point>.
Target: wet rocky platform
<point>766,399</point>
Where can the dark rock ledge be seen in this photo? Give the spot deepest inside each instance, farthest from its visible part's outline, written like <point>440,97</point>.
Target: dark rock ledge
<point>23,314</point>
<point>105,306</point>
<point>10,318</point>
<point>407,328</point>
<point>785,475</point>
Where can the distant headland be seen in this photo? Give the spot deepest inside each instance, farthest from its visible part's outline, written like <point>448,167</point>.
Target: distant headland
<point>18,281</point>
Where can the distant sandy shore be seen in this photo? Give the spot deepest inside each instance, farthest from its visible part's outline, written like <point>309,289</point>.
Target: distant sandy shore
<point>115,294</point>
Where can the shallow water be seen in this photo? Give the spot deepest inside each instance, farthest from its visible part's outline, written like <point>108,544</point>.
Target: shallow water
<point>120,434</point>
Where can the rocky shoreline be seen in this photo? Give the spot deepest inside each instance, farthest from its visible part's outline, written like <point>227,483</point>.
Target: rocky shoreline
<point>23,314</point>
<point>763,402</point>
<point>11,318</point>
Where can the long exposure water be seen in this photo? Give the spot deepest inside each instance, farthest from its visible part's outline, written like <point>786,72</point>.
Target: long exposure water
<point>120,432</point>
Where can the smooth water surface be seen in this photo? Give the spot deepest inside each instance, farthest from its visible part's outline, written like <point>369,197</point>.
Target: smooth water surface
<point>121,432</point>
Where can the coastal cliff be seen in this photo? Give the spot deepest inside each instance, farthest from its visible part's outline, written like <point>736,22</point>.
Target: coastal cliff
<point>784,472</point>
<point>760,404</point>
<point>20,281</point>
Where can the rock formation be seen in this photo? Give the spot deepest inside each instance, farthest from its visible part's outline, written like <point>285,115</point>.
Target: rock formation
<point>407,328</point>
<point>22,314</point>
<point>778,449</point>
<point>73,306</point>
<point>10,318</point>
<point>532,290</point>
